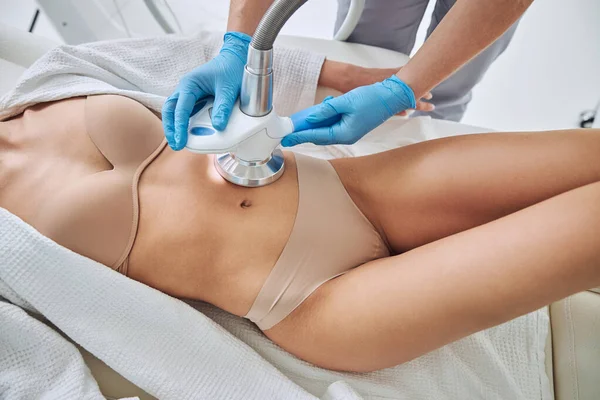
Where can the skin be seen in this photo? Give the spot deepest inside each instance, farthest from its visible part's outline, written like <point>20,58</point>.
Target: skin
<point>466,30</point>
<point>244,15</point>
<point>485,228</point>
<point>22,142</point>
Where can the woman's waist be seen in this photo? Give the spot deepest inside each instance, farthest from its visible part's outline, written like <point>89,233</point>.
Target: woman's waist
<point>224,235</point>
<point>221,260</point>
<point>184,191</point>
<point>199,234</point>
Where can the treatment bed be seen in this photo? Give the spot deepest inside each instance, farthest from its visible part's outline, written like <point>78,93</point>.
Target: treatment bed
<point>572,350</point>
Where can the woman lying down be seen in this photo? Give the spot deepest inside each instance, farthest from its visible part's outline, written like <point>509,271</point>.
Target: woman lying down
<point>352,264</point>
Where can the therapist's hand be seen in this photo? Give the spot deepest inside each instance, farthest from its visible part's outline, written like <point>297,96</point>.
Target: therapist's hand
<point>221,77</point>
<point>361,110</point>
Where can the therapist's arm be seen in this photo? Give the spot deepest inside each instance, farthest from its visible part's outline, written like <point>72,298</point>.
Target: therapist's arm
<point>467,29</point>
<point>244,15</point>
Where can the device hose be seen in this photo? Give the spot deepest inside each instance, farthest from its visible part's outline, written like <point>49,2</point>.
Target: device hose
<point>281,10</point>
<point>272,22</point>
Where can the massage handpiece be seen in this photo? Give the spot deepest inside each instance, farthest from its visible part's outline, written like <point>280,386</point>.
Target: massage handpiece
<point>247,152</point>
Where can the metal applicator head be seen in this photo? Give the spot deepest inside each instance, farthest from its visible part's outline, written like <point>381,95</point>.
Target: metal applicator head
<point>246,151</point>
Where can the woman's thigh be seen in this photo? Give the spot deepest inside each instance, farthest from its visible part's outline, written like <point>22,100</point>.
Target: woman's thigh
<point>392,310</point>
<point>420,193</point>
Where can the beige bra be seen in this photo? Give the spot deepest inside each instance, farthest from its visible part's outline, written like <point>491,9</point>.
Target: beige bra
<point>97,217</point>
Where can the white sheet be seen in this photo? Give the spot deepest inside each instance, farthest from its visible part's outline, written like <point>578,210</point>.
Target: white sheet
<point>169,349</point>
<point>35,361</point>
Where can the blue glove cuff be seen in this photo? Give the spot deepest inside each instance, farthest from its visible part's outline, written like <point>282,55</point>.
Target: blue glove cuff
<point>238,35</point>
<point>397,84</point>
<point>237,44</point>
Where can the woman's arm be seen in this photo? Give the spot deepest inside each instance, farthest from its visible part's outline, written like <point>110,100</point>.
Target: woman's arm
<point>344,77</point>
<point>468,28</point>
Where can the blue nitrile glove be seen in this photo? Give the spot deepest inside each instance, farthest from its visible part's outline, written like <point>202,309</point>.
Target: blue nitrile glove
<point>362,110</point>
<point>220,77</point>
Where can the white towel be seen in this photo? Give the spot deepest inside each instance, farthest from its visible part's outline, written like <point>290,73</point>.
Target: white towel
<point>147,70</point>
<point>171,350</point>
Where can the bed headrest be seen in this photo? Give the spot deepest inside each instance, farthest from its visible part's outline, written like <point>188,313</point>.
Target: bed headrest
<point>20,47</point>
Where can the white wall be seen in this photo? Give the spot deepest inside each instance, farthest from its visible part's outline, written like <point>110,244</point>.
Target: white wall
<point>549,74</point>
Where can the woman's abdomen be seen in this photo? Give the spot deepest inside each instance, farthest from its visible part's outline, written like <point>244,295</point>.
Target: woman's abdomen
<point>203,238</point>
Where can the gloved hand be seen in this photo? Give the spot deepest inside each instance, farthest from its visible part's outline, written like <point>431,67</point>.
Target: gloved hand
<point>361,110</point>
<point>221,77</point>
